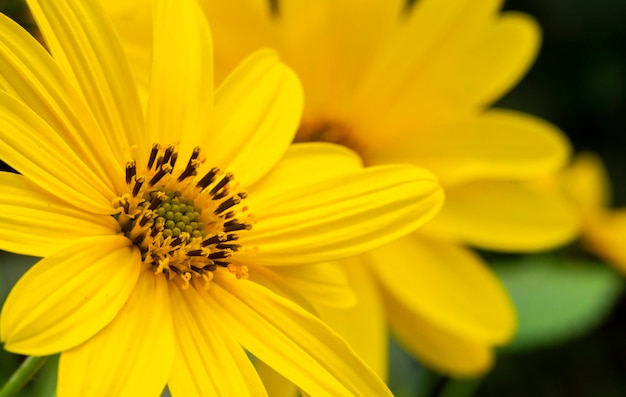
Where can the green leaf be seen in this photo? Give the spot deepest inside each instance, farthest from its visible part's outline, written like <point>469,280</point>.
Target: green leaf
<point>557,299</point>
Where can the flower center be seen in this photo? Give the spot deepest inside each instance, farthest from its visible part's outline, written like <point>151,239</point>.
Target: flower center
<point>184,225</point>
<point>324,131</point>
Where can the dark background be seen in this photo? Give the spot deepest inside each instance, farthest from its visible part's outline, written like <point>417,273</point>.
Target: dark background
<point>579,84</point>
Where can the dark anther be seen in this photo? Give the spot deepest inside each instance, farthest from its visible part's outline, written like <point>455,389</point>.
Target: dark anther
<point>156,229</point>
<point>176,241</point>
<point>160,174</point>
<point>195,269</point>
<point>131,171</point>
<point>139,239</point>
<point>173,159</point>
<point>153,154</point>
<point>146,217</point>
<point>159,162</point>
<point>167,154</point>
<point>208,178</point>
<point>214,240</point>
<point>222,264</point>
<point>209,268</point>
<point>220,195</point>
<point>138,183</point>
<point>226,204</point>
<point>233,225</point>
<point>194,253</point>
<point>156,201</point>
<point>227,178</point>
<point>228,215</point>
<point>233,247</point>
<point>219,255</point>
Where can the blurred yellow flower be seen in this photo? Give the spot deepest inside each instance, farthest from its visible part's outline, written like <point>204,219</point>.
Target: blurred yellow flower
<point>144,218</point>
<point>588,186</point>
<point>412,84</point>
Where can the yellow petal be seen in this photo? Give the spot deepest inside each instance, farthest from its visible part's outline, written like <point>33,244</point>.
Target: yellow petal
<point>270,97</point>
<point>66,298</point>
<point>240,27</point>
<point>30,74</point>
<point>587,183</point>
<point>499,61</point>
<point>84,44</point>
<point>133,23</point>
<point>446,352</point>
<point>30,146</point>
<point>324,284</point>
<point>505,216</point>
<point>364,325</point>
<point>35,223</point>
<point>342,216</point>
<point>424,51</point>
<point>301,166</point>
<point>275,384</point>
<point>341,39</point>
<point>605,236</point>
<point>293,342</point>
<point>209,362</point>
<point>446,285</point>
<point>181,81</point>
<point>132,356</point>
<point>498,144</point>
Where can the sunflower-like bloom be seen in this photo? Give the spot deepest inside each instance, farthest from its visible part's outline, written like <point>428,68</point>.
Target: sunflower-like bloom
<point>412,84</point>
<point>603,231</point>
<point>156,227</point>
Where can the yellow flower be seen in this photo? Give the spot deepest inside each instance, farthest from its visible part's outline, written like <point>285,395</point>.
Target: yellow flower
<point>151,222</point>
<point>586,183</point>
<point>412,85</point>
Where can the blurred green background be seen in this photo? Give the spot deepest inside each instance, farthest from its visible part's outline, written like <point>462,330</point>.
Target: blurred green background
<point>572,307</point>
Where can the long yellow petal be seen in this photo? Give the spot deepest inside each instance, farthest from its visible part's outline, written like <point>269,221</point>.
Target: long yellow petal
<point>180,96</point>
<point>209,362</point>
<point>31,74</point>
<point>341,216</point>
<point>324,284</point>
<point>132,356</point>
<point>446,285</point>
<point>35,223</point>
<point>364,325</point>
<point>68,297</point>
<point>290,340</point>
<point>84,44</point>
<point>505,216</point>
<point>301,166</point>
<point>256,115</point>
<point>436,347</point>
<point>240,27</point>
<point>30,146</point>
<point>499,61</point>
<point>498,144</point>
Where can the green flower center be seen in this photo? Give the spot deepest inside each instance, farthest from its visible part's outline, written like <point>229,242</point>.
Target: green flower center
<point>186,227</point>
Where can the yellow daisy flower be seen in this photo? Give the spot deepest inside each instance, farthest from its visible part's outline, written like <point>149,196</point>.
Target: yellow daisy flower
<point>412,84</point>
<point>150,223</point>
<point>587,184</point>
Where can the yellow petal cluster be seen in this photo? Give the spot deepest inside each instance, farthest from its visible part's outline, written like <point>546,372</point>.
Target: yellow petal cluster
<point>413,85</point>
<point>158,216</point>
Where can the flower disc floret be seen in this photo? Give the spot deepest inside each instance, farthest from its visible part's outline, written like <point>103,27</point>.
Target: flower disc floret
<point>183,225</point>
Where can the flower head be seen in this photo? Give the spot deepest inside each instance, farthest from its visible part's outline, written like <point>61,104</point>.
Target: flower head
<point>156,226</point>
<point>413,84</point>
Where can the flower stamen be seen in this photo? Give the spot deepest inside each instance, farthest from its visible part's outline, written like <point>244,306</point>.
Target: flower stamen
<point>183,229</point>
